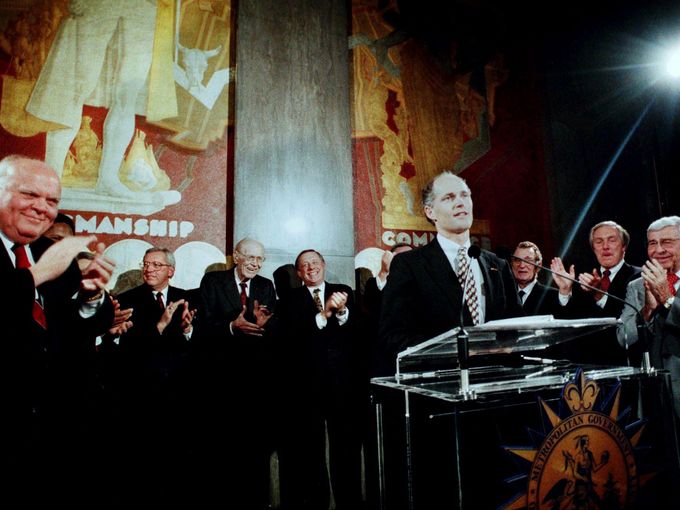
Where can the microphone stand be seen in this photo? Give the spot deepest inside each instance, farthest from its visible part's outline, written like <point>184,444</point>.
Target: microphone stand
<point>642,329</point>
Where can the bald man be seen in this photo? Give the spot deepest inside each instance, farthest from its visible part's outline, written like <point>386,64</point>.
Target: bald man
<point>47,299</point>
<point>233,345</point>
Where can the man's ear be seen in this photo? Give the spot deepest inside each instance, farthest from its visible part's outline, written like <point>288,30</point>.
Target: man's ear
<point>428,212</point>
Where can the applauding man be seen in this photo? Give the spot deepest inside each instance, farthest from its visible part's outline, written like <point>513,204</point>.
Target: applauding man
<point>46,299</point>
<point>234,376</point>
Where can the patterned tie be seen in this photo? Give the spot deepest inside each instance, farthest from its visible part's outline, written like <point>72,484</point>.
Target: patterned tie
<point>521,295</point>
<point>317,300</point>
<point>471,287</point>
<point>672,280</point>
<point>23,263</point>
<point>244,294</point>
<point>605,282</point>
<point>159,300</point>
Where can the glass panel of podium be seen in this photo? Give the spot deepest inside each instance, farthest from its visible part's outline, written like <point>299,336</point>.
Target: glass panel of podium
<point>439,447</point>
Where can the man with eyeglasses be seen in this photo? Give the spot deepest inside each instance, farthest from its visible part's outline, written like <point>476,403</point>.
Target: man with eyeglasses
<point>234,350</point>
<point>654,294</point>
<point>153,351</point>
<point>536,298</point>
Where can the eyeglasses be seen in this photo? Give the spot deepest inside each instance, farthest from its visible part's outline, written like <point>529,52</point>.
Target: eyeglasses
<point>531,262</point>
<point>153,265</point>
<point>252,258</point>
<point>665,243</point>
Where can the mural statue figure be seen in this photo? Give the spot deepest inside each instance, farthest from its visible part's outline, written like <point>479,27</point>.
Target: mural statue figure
<point>101,56</point>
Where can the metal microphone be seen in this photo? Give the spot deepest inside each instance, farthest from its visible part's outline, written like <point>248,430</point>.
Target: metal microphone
<point>643,331</point>
<point>463,337</point>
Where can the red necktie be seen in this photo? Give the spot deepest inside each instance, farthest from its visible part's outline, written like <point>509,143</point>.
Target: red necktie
<point>23,263</point>
<point>605,281</point>
<point>244,295</point>
<point>159,299</point>
<point>672,280</point>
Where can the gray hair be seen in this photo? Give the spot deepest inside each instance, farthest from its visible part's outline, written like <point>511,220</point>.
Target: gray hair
<point>666,221</point>
<point>169,256</point>
<point>623,233</point>
<point>528,245</point>
<point>8,165</point>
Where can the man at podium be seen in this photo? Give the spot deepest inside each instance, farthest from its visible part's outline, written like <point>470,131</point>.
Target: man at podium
<point>431,288</point>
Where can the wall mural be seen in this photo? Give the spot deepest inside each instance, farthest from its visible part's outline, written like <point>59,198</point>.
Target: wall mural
<point>425,77</point>
<point>129,101</point>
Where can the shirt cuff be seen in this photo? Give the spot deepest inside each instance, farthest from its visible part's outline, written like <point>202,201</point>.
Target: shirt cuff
<point>89,308</point>
<point>321,320</point>
<point>380,283</point>
<point>342,318</point>
<point>564,300</point>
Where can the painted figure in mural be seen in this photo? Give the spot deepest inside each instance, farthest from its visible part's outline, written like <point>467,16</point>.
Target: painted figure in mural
<point>107,42</point>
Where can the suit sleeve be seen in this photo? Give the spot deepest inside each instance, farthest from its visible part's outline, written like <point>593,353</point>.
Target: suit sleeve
<point>19,302</point>
<point>214,315</point>
<point>399,317</point>
<point>513,305</point>
<point>626,329</point>
<point>668,327</point>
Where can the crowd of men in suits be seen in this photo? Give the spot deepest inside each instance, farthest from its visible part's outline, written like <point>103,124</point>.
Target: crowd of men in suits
<point>189,392</point>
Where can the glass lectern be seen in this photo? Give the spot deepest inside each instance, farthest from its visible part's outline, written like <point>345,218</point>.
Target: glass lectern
<point>441,448</point>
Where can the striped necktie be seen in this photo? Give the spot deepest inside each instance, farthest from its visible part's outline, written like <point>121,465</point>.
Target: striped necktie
<point>317,300</point>
<point>466,275</point>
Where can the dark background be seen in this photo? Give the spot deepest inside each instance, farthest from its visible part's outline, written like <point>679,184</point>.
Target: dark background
<point>599,64</point>
<point>585,105</point>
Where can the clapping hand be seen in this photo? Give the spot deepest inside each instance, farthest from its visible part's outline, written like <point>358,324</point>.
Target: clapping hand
<point>262,313</point>
<point>245,326</point>
<point>121,323</point>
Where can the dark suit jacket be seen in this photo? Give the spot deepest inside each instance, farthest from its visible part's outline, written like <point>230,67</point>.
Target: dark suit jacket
<point>602,347</point>
<point>158,354</point>
<point>153,382</point>
<point>544,300</point>
<point>372,303</point>
<point>316,356</point>
<point>222,357</point>
<point>585,303</point>
<point>318,382</point>
<point>220,304</point>
<point>31,356</point>
<point>423,298</point>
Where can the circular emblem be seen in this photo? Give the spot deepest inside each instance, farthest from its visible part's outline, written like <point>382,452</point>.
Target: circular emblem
<point>585,462</point>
